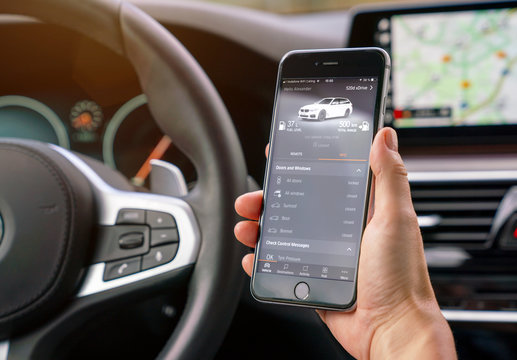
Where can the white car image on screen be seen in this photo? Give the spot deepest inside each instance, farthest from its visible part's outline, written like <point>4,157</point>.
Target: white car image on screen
<point>326,108</point>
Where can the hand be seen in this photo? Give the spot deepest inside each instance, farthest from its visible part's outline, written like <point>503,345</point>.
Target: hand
<point>397,315</point>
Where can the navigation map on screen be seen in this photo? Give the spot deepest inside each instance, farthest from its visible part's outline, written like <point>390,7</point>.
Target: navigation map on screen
<point>455,68</point>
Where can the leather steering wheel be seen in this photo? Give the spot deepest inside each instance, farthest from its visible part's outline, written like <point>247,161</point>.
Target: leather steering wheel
<point>53,203</point>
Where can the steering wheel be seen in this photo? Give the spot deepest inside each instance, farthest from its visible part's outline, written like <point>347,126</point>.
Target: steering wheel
<point>71,244</point>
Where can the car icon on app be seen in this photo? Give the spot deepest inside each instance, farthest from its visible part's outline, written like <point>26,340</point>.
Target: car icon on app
<point>326,108</point>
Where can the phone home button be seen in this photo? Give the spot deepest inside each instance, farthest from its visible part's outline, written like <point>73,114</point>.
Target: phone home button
<point>301,290</point>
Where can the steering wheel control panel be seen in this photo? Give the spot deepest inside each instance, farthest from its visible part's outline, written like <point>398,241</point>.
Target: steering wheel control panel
<point>140,240</point>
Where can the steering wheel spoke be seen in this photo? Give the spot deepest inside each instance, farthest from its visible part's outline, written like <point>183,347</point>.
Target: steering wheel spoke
<point>133,250</point>
<point>140,235</point>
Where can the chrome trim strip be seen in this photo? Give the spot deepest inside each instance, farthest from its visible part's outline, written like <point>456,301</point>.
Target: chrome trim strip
<point>110,200</point>
<point>439,176</point>
<point>425,221</point>
<point>441,256</point>
<point>481,316</point>
<point>4,350</point>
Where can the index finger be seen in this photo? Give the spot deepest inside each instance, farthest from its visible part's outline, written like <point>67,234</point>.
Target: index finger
<point>249,205</point>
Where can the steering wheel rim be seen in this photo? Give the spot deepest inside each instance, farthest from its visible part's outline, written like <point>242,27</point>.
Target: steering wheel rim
<point>178,89</point>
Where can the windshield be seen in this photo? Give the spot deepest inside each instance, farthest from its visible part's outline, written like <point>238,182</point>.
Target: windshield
<point>325,101</point>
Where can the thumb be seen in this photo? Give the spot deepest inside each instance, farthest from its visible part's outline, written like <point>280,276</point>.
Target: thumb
<point>391,183</point>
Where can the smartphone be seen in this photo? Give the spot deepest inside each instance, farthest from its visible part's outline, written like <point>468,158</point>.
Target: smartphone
<point>328,106</point>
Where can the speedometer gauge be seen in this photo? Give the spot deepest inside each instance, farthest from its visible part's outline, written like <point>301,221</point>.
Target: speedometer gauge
<point>86,115</point>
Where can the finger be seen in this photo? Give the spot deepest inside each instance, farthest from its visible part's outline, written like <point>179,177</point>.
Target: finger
<point>391,182</point>
<point>267,150</point>
<point>246,232</point>
<point>247,263</point>
<point>322,314</point>
<point>249,205</point>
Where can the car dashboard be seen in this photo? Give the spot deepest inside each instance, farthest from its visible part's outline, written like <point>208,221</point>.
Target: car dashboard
<point>68,90</point>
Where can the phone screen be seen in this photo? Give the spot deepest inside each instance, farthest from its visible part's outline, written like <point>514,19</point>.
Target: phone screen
<point>316,194</point>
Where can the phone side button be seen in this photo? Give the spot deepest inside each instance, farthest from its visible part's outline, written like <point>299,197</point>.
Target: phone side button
<point>301,290</point>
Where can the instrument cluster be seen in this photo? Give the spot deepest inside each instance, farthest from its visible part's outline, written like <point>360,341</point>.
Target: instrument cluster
<point>61,88</point>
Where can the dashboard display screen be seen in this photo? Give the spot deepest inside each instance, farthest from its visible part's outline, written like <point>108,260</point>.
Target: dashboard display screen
<point>452,69</point>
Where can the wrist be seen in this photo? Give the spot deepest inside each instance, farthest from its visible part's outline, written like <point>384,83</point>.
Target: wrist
<point>417,331</point>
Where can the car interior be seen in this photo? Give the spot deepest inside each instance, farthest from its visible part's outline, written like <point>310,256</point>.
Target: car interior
<point>128,129</point>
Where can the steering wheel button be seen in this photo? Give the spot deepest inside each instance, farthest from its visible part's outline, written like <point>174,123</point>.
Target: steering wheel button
<point>131,216</point>
<point>164,236</point>
<point>160,220</point>
<point>159,255</point>
<point>131,240</point>
<point>117,269</point>
<point>120,242</point>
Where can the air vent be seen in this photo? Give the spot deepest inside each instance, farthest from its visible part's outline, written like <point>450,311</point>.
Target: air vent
<point>457,213</point>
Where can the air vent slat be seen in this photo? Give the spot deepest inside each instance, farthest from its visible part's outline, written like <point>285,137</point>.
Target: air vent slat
<point>458,193</point>
<point>456,206</point>
<point>453,236</point>
<point>474,221</point>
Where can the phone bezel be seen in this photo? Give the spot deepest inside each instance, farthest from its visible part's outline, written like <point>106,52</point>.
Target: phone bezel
<point>302,64</point>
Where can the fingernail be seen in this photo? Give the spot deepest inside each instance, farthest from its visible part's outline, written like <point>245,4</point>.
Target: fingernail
<point>391,140</point>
